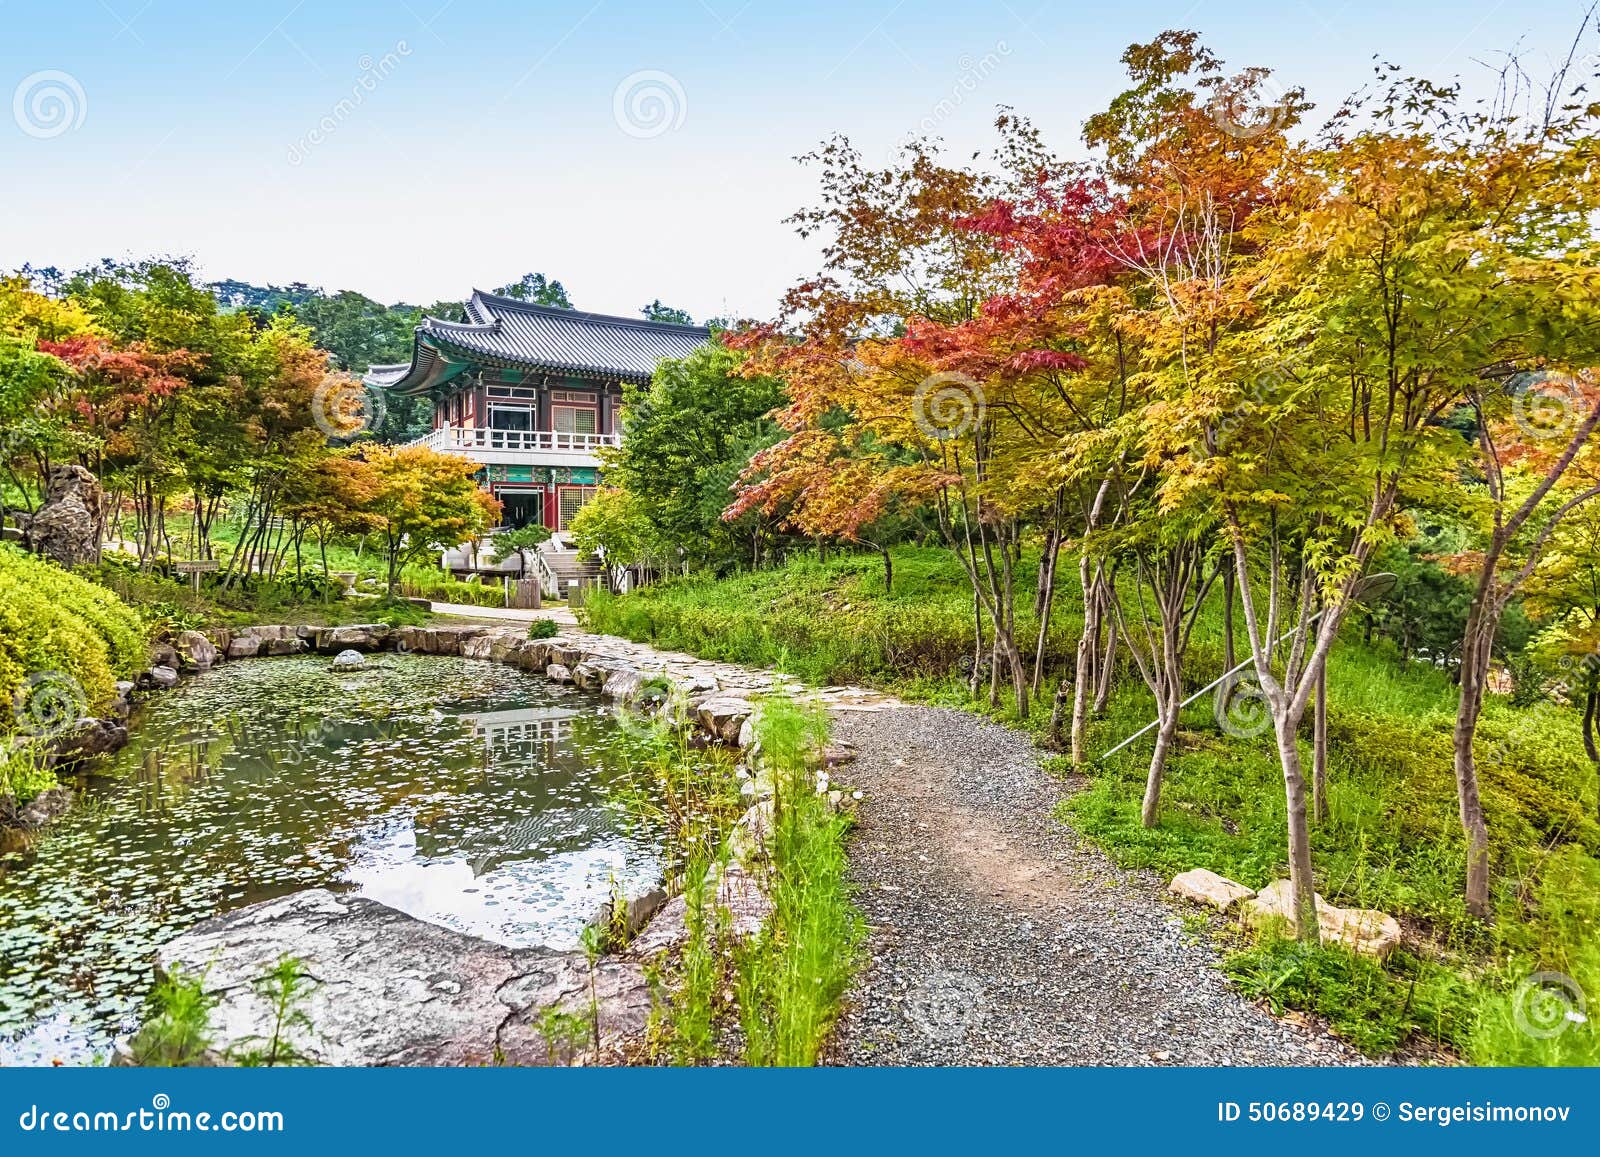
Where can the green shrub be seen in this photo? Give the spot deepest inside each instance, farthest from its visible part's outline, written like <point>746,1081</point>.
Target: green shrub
<point>543,629</point>
<point>23,772</point>
<point>177,1026</point>
<point>1374,1009</point>
<point>60,629</point>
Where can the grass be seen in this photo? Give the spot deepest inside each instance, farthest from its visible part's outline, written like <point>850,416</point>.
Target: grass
<point>24,772</point>
<point>782,987</point>
<point>169,605</point>
<point>793,975</point>
<point>1392,840</point>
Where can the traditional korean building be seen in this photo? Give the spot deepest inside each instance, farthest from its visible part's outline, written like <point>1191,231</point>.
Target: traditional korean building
<point>531,394</point>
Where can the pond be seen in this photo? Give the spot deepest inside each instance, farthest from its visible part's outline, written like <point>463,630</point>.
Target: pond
<point>464,792</point>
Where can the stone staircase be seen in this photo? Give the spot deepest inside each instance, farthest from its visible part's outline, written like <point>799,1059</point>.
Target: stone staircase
<point>562,565</point>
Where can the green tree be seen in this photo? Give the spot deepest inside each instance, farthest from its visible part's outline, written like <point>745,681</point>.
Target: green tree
<point>616,526</point>
<point>426,502</point>
<point>656,311</point>
<point>686,437</point>
<point>508,542</point>
<point>537,289</point>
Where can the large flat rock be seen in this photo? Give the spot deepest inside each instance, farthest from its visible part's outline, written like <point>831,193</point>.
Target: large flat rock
<point>390,989</point>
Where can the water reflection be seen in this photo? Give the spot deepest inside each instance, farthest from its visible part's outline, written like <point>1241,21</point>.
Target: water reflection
<point>466,793</point>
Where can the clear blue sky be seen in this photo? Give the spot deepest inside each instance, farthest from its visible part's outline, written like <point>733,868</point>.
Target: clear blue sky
<point>493,138</point>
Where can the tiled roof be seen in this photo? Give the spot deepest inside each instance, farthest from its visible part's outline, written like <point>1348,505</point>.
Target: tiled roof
<point>537,337</point>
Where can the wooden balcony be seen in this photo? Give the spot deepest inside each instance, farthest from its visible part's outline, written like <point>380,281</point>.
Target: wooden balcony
<point>519,447</point>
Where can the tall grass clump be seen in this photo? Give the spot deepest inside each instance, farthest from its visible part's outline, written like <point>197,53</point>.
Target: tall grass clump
<point>793,975</point>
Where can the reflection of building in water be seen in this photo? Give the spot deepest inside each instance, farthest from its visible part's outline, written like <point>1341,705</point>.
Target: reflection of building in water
<point>521,732</point>
<point>487,842</point>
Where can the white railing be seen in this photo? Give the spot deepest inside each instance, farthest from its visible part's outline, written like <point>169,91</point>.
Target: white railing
<point>464,439</point>
<point>548,582</point>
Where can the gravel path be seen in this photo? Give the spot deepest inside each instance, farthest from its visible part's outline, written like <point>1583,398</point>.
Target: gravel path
<point>1000,937</point>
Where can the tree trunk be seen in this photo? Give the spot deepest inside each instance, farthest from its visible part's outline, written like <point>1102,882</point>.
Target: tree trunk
<point>1590,703</point>
<point>1149,814</point>
<point>1300,875</point>
<point>1084,660</point>
<point>1477,649</point>
<point>1108,664</point>
<point>1319,748</point>
<point>1229,659</point>
<point>1468,800</point>
<point>1044,603</point>
<point>976,678</point>
<point>1057,710</point>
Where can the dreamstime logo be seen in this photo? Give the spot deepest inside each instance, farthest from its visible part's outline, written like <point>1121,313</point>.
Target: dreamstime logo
<point>372,74</point>
<point>947,1005</point>
<point>49,703</point>
<point>344,407</point>
<point>1245,111</point>
<point>1242,709</point>
<point>1547,1004</point>
<point>1263,388</point>
<point>947,405</point>
<point>49,103</point>
<point>649,103</point>
<point>1549,408</point>
<point>971,75</point>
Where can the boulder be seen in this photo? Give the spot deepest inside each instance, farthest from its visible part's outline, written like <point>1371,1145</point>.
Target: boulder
<point>563,651</point>
<point>838,753</point>
<point>724,715</point>
<point>87,738</point>
<point>503,647</point>
<point>164,655</point>
<point>480,648</point>
<point>1359,929</point>
<point>590,676</point>
<point>196,652</point>
<point>161,677</point>
<point>1364,930</point>
<point>66,527</point>
<point>46,807</point>
<point>353,637</point>
<point>737,890</point>
<point>389,989</point>
<point>1206,887</point>
<point>625,684</point>
<point>558,673</point>
<point>244,647</point>
<point>350,659</point>
<point>292,645</point>
<point>531,654</point>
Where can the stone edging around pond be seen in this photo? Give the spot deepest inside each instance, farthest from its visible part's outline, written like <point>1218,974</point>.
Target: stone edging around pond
<point>392,989</point>
<point>718,693</point>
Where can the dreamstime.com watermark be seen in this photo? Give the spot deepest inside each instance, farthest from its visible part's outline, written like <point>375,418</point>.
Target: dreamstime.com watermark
<point>649,103</point>
<point>48,704</point>
<point>946,406</point>
<point>970,77</point>
<point>1547,1004</point>
<point>1245,111</point>
<point>1241,708</point>
<point>946,1005</point>
<point>345,407</point>
<point>372,74</point>
<point>1551,407</point>
<point>159,1117</point>
<point>49,103</point>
